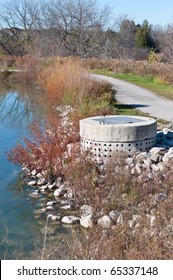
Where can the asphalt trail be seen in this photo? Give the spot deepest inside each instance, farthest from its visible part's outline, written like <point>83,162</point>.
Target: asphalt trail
<point>139,98</point>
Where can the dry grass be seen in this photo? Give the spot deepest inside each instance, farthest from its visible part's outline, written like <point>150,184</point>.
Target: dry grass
<point>161,71</point>
<point>117,244</point>
<point>119,190</point>
<point>66,82</point>
<point>62,77</point>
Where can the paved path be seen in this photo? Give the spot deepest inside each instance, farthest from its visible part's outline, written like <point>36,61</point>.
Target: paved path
<point>140,98</point>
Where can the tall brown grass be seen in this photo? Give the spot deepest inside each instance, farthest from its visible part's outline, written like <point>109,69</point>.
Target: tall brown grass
<point>62,77</point>
<point>66,81</point>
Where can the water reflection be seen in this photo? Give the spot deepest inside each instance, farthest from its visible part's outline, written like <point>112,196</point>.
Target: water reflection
<point>20,229</point>
<point>20,104</point>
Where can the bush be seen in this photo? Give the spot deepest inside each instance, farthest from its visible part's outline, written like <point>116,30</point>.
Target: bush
<point>47,149</point>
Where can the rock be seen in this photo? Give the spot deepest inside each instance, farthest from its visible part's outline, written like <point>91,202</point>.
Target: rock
<point>50,208</point>
<point>105,222</point>
<point>120,220</point>
<point>69,194</point>
<point>152,221</point>
<point>41,181</point>
<point>59,192</point>
<point>131,224</point>
<point>141,157</point>
<point>32,183</point>
<point>34,194</point>
<point>86,221</point>
<point>49,216</point>
<point>161,166</point>
<point>58,182</point>
<point>137,227</point>
<point>40,211</point>
<point>160,197</point>
<point>138,169</point>
<point>70,220</point>
<point>165,159</point>
<point>55,217</point>
<point>34,172</point>
<point>51,186</point>
<point>25,169</point>
<point>50,203</point>
<point>43,189</point>
<point>165,130</point>
<point>147,163</point>
<point>155,158</point>
<point>65,207</point>
<point>114,214</point>
<point>39,175</point>
<point>153,211</point>
<point>133,171</point>
<point>129,160</point>
<point>86,210</point>
<point>64,202</point>
<point>170,150</point>
<point>155,168</point>
<point>156,150</point>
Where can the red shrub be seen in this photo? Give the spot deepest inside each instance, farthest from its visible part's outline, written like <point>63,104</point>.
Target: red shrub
<point>47,149</point>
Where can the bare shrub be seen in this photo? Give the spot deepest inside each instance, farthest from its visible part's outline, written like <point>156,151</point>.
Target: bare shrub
<point>47,149</point>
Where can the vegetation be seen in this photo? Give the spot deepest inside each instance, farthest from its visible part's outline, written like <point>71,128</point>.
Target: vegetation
<point>156,85</point>
<point>55,45</point>
<point>78,28</point>
<point>119,189</point>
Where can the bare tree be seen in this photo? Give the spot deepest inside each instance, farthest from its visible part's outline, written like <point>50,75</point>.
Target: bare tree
<point>22,14</point>
<point>165,39</point>
<point>76,26</point>
<point>19,18</point>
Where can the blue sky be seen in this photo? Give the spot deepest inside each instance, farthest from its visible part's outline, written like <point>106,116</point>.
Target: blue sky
<point>155,11</point>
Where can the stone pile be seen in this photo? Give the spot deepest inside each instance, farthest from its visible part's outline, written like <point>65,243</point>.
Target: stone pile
<point>61,205</point>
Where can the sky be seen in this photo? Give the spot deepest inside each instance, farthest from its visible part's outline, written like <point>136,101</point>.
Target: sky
<point>155,11</point>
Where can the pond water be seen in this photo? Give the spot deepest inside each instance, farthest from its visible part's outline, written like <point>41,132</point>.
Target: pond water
<point>20,232</point>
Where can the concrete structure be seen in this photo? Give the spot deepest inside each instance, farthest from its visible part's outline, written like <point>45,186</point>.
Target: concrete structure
<point>105,135</point>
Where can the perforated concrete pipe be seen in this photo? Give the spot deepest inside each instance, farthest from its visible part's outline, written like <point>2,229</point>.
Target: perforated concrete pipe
<point>105,135</point>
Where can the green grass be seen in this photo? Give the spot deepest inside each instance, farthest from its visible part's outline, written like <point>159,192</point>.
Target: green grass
<point>147,82</point>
